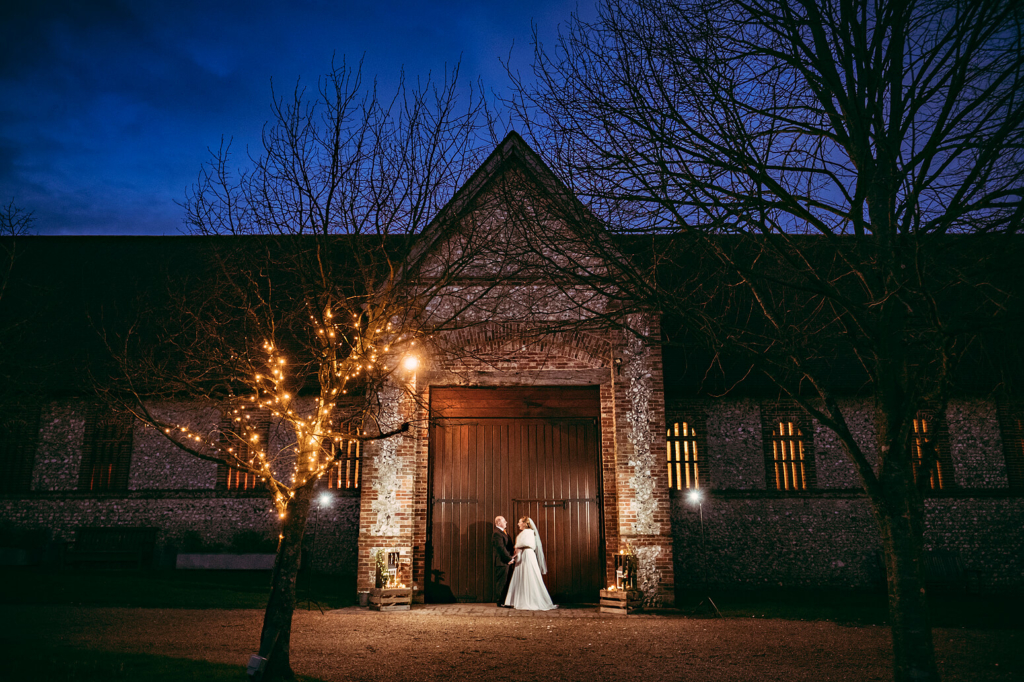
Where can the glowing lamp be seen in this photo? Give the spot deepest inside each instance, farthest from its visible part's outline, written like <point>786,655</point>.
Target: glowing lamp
<point>410,363</point>
<point>326,500</point>
<point>694,497</point>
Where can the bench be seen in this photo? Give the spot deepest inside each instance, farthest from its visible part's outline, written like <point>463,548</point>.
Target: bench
<point>112,547</point>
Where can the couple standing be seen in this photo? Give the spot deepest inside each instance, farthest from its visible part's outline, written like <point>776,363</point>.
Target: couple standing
<point>518,567</point>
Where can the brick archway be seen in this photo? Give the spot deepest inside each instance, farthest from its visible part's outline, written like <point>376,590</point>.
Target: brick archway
<point>497,338</point>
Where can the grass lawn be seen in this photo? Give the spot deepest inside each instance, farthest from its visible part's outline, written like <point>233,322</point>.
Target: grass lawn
<point>166,589</point>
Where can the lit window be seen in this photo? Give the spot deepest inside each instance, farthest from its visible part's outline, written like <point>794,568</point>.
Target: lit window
<point>238,430</point>
<point>789,450</point>
<point>684,456</point>
<point>240,480</point>
<point>106,451</point>
<point>344,472</point>
<point>929,452</point>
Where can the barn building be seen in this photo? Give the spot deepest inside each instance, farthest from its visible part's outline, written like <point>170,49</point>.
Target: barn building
<point>594,433</point>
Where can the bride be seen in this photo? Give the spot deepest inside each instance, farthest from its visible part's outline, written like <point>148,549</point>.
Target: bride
<point>527,590</point>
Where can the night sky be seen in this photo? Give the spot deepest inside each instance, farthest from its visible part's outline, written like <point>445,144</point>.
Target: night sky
<point>107,109</point>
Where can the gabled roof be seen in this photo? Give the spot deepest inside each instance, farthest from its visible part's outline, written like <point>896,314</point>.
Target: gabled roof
<point>511,152</point>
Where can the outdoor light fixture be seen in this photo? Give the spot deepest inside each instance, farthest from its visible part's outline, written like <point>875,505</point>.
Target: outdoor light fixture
<point>695,497</point>
<point>410,363</point>
<point>325,500</point>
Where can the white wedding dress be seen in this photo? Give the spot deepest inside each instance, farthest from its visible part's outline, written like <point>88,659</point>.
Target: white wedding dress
<point>527,591</point>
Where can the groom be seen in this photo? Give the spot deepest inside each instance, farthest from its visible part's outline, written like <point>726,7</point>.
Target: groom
<point>502,547</point>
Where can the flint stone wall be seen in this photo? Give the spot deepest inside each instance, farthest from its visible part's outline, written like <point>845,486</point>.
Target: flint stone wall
<point>167,489</point>
<point>977,444</point>
<point>755,537</point>
<point>59,448</point>
<point>834,543</point>
<point>157,464</point>
<point>216,520</point>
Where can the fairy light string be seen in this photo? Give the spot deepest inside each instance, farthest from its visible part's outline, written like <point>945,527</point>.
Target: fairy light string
<point>363,349</point>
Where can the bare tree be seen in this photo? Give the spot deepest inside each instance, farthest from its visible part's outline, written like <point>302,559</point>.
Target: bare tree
<point>306,295</point>
<point>850,172</point>
<point>15,222</point>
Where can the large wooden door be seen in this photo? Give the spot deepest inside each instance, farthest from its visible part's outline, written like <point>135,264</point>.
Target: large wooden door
<point>514,452</point>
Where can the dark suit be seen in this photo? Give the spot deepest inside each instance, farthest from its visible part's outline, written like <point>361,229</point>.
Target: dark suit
<point>502,548</point>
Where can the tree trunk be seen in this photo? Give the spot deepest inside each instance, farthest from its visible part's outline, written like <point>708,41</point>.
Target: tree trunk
<point>902,530</point>
<point>275,640</point>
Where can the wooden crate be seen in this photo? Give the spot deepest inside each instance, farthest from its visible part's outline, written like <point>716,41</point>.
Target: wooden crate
<point>621,602</point>
<point>391,599</point>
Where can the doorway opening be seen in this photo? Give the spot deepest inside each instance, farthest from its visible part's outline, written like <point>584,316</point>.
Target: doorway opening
<point>513,452</point>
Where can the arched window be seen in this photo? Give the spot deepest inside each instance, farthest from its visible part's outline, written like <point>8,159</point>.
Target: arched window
<point>788,448</point>
<point>243,433</point>
<point>686,452</point>
<point>106,450</point>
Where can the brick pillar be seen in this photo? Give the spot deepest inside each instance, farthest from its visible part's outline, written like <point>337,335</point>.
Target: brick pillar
<point>390,486</point>
<point>639,395</point>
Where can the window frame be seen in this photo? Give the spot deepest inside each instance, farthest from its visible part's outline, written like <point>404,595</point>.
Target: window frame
<point>940,442</point>
<point>354,457</point>
<point>695,417</point>
<point>344,423</point>
<point>225,473</point>
<point>102,447</point>
<point>796,417</point>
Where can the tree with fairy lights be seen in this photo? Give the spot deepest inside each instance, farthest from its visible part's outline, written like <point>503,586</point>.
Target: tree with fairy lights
<point>308,298</point>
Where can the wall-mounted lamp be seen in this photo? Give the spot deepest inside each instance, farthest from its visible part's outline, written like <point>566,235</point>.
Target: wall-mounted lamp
<point>410,363</point>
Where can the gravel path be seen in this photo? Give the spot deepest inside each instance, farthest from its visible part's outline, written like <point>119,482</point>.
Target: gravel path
<point>486,643</point>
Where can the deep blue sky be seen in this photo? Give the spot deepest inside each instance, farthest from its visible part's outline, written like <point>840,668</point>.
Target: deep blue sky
<point>107,108</point>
